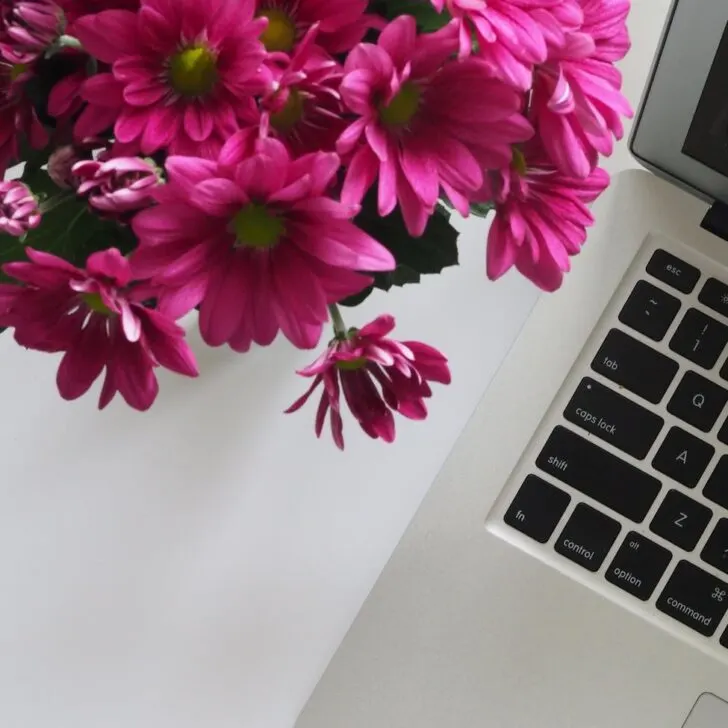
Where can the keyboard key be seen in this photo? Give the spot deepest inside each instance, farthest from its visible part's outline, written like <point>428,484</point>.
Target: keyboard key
<point>649,310</point>
<point>694,598</point>
<point>635,366</point>
<point>716,489</point>
<point>598,474</point>
<point>614,418</point>
<point>698,401</point>
<point>673,271</point>
<point>715,295</point>
<point>638,566</point>
<point>683,457</point>
<point>700,338</point>
<point>587,537</point>
<point>724,371</point>
<point>724,638</point>
<point>723,433</point>
<point>715,551</point>
<point>681,520</point>
<point>537,509</point>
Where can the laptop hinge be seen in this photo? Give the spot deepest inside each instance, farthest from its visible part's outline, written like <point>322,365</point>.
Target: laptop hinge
<point>716,220</point>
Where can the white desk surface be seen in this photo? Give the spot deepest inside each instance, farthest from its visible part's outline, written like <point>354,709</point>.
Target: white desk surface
<point>199,565</point>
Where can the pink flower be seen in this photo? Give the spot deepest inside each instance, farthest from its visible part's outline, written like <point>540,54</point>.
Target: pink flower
<point>541,218</point>
<point>28,28</point>
<point>256,239</point>
<point>377,375</point>
<point>303,107</point>
<point>118,186</point>
<point>342,23</point>
<point>184,73</point>
<point>606,22</point>
<point>425,122</point>
<point>96,316</point>
<point>17,114</point>
<point>511,34</point>
<point>577,106</point>
<point>18,209</point>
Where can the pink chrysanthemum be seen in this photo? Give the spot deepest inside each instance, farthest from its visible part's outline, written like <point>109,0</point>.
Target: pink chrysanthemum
<point>342,23</point>
<point>255,238</point>
<point>19,210</point>
<point>606,22</point>
<point>183,75</point>
<point>512,35</point>
<point>377,375</point>
<point>28,28</point>
<point>425,122</point>
<point>577,105</point>
<point>18,117</point>
<point>97,318</point>
<point>303,107</point>
<point>541,218</point>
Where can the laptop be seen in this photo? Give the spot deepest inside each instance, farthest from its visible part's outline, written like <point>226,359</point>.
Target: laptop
<point>569,566</point>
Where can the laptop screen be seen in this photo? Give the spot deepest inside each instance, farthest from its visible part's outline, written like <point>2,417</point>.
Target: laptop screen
<point>707,139</point>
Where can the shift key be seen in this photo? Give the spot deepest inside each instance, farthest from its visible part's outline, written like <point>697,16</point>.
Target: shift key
<point>635,366</point>
<point>598,474</point>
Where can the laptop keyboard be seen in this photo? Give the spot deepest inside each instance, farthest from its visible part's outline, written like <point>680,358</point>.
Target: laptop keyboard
<point>630,480</point>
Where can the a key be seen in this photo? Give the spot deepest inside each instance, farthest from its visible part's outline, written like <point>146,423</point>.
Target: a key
<point>673,271</point>
<point>715,295</point>
<point>716,489</point>
<point>613,418</point>
<point>723,433</point>
<point>681,520</point>
<point>638,566</point>
<point>715,551</point>
<point>698,401</point>
<point>649,310</point>
<point>694,598</point>
<point>598,474</point>
<point>635,366</point>
<point>587,537</point>
<point>537,509</point>
<point>700,339</point>
<point>683,457</point>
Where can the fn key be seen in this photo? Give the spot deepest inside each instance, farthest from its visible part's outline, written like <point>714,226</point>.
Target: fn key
<point>537,509</point>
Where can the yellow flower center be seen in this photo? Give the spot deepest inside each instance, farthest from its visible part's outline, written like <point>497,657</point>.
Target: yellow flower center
<point>256,227</point>
<point>291,113</point>
<point>519,161</point>
<point>96,304</point>
<point>280,35</point>
<point>353,365</point>
<point>400,110</point>
<point>193,71</point>
<point>17,70</point>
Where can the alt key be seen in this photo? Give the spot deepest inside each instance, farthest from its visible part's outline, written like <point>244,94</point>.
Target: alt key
<point>638,566</point>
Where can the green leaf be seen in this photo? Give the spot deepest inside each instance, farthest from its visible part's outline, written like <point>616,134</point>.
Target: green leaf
<point>427,255</point>
<point>482,209</point>
<point>70,230</point>
<point>428,19</point>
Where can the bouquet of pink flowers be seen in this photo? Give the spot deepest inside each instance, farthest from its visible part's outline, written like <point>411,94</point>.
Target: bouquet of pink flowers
<point>270,162</point>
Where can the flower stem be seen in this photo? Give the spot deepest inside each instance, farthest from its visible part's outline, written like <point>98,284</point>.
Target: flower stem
<point>337,320</point>
<point>68,41</point>
<point>56,201</point>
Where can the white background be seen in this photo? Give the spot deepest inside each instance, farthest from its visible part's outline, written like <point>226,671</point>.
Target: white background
<point>199,565</point>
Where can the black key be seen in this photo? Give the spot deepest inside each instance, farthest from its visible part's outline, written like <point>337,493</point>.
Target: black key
<point>635,366</point>
<point>614,418</point>
<point>715,551</point>
<point>716,489</point>
<point>649,310</point>
<point>673,271</point>
<point>715,295</point>
<point>724,370</point>
<point>537,509</point>
<point>638,566</point>
<point>724,638</point>
<point>694,598</point>
<point>683,457</point>
<point>587,537</point>
<point>681,520</point>
<point>698,401</point>
<point>599,475</point>
<point>700,338</point>
<point>723,433</point>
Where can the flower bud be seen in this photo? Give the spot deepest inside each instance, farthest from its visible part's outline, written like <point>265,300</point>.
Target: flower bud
<point>19,210</point>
